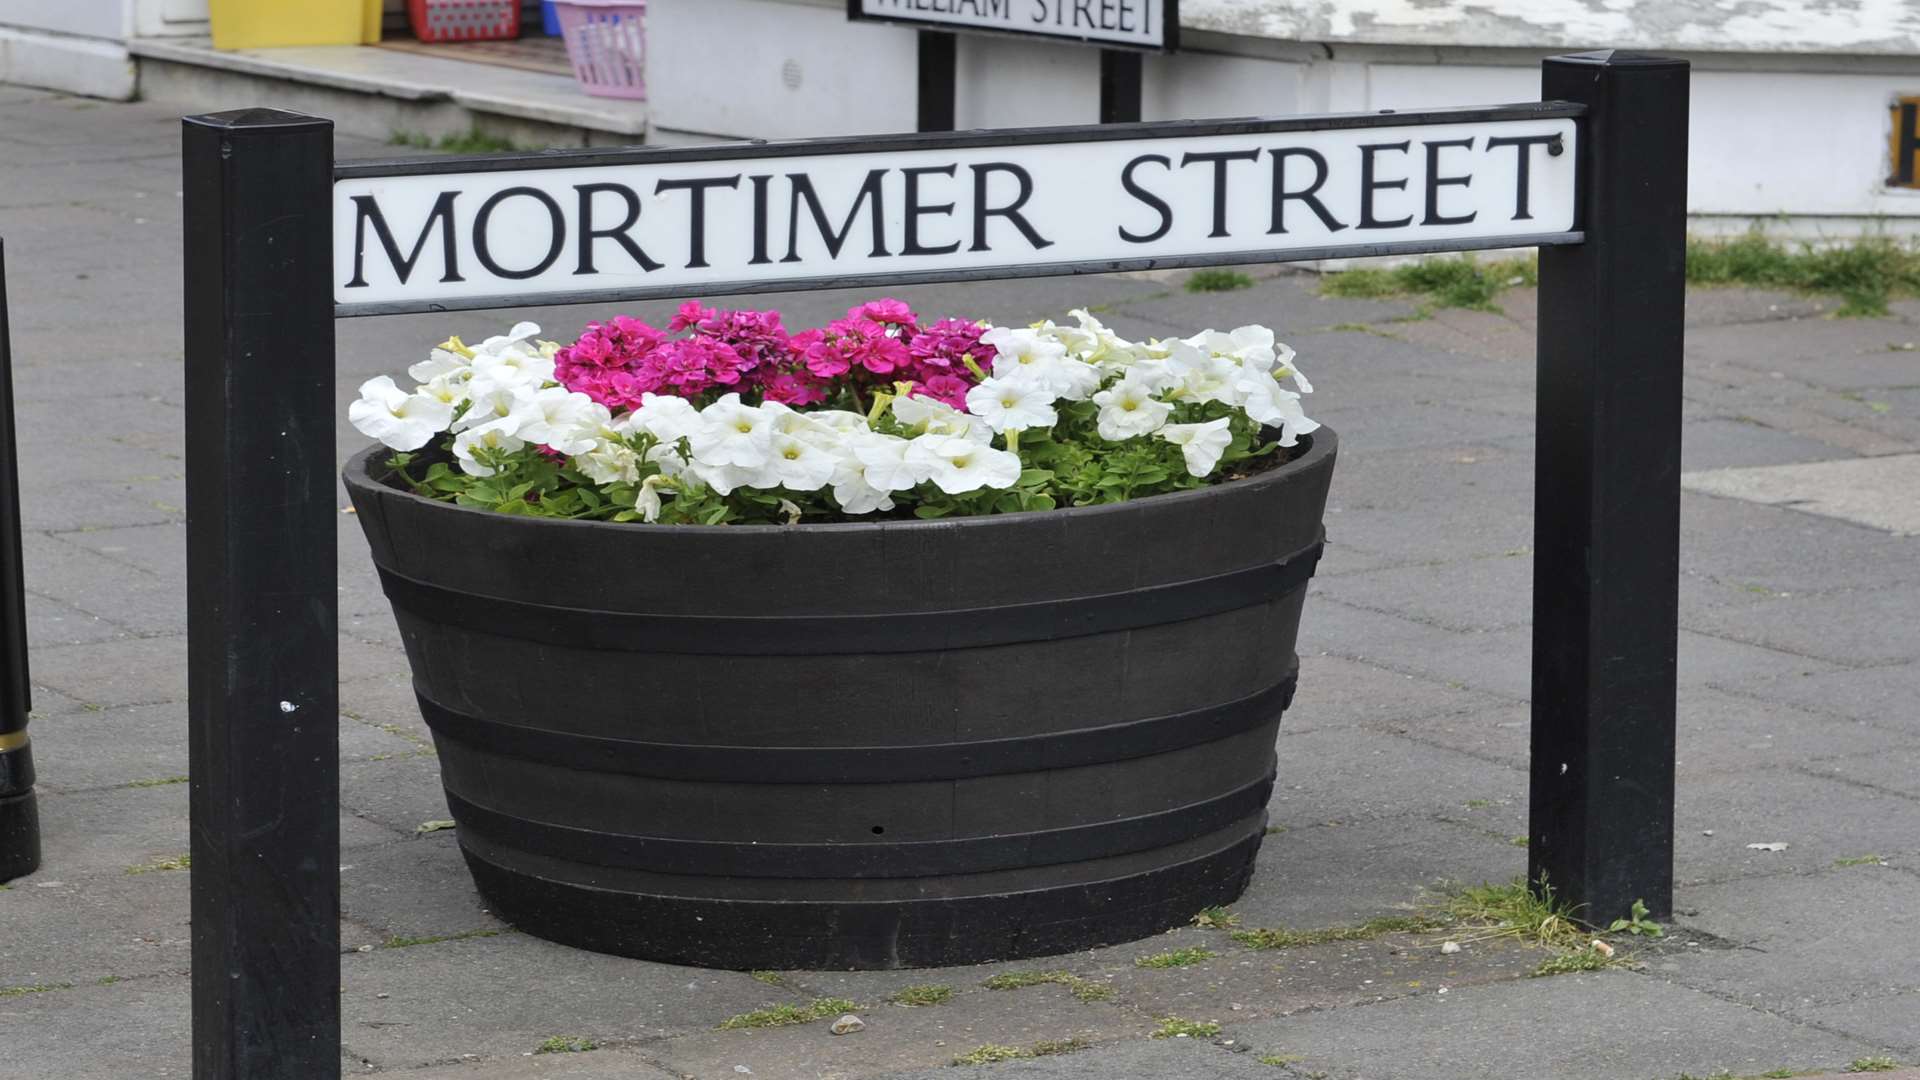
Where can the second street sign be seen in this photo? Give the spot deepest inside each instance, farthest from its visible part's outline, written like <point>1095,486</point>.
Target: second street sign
<point>1138,24</point>
<point>630,224</point>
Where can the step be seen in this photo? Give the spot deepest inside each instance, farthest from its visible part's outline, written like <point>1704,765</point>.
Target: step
<point>379,93</point>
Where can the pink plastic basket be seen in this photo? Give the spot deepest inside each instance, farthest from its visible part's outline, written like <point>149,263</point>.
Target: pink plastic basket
<point>607,43</point>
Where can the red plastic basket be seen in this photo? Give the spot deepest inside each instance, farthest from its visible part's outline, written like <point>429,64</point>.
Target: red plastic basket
<point>607,43</point>
<point>464,20</point>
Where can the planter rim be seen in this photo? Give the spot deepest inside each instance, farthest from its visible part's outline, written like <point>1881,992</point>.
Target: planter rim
<point>1319,445</point>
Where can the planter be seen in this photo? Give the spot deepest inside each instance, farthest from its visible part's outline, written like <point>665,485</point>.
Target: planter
<point>884,745</point>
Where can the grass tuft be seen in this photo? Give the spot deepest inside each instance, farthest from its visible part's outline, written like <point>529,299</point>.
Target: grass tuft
<point>471,141</point>
<point>1173,1027</point>
<point>1861,860</point>
<point>158,781</point>
<point>1568,963</point>
<point>1459,283</point>
<point>918,996</point>
<point>771,978</point>
<point>566,1044</point>
<point>787,1015</point>
<point>989,1054</point>
<point>1056,1047</point>
<point>1216,918</point>
<point>1202,281</point>
<point>35,988</point>
<point>1871,1064</point>
<point>1277,938</point>
<point>1515,910</point>
<point>1865,274</point>
<point>1278,1061</point>
<point>1176,958</point>
<point>170,862</point>
<point>1084,989</point>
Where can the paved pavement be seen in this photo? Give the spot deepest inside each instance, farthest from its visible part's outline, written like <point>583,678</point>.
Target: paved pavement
<point>1402,762</point>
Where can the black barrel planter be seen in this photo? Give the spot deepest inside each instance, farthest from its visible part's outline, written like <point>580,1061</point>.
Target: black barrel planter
<point>898,744</point>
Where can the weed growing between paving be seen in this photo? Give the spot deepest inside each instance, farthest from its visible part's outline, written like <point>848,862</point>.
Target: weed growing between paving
<point>1084,989</point>
<point>1174,959</point>
<point>992,1053</point>
<point>1173,1027</point>
<point>786,1015</point>
<point>1865,274</point>
<point>566,1044</point>
<point>920,996</point>
<point>1205,281</point>
<point>471,141</point>
<point>1458,283</point>
<point>1871,1064</point>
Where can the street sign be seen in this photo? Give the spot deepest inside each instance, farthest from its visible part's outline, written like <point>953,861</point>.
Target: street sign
<point>1134,24</point>
<point>590,225</point>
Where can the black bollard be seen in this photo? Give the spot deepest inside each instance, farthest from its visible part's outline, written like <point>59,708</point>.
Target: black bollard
<point>19,815</point>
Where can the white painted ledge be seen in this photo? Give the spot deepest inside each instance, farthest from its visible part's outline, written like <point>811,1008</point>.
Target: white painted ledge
<point>75,65</point>
<point>389,73</point>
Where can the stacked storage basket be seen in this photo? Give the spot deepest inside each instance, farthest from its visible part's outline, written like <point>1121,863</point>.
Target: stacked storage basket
<point>607,44</point>
<point>464,20</point>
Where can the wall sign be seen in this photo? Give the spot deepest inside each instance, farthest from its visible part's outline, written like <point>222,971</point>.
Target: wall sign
<point>588,225</point>
<point>1139,24</point>
<point>1903,143</point>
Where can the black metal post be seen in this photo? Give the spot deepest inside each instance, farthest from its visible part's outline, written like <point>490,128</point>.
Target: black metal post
<point>262,660</point>
<point>937,80</point>
<point>1607,495</point>
<point>1120,86</point>
<point>19,814</point>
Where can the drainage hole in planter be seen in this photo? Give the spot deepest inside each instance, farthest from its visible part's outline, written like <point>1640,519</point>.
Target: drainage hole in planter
<point>879,829</point>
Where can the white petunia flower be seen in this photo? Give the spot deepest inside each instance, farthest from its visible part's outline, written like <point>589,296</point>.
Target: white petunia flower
<point>957,465</point>
<point>401,420</point>
<point>1200,444</point>
<point>732,434</point>
<point>1267,402</point>
<point>665,417</point>
<point>493,435</point>
<point>438,365</point>
<point>1016,403</point>
<point>797,463</point>
<point>1128,408</point>
<point>609,461</point>
<point>568,422</point>
<point>881,461</point>
<point>647,498</point>
<point>930,417</point>
<point>1283,367</point>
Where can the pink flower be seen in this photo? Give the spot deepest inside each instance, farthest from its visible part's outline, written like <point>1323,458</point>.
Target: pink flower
<point>889,311</point>
<point>949,389</point>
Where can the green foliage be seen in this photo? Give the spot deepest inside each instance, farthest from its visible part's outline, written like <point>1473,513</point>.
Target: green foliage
<point>170,862</point>
<point>566,1044</point>
<point>989,1054</point>
<point>1277,938</point>
<point>1056,1047</point>
<point>36,988</point>
<point>1277,1060</point>
<point>771,978</point>
<point>1637,923</point>
<point>1566,963</point>
<point>785,1015</point>
<point>1216,918</point>
<point>1516,910</point>
<point>1204,281</point>
<point>1463,282</point>
<point>158,781</point>
<point>1862,860</point>
<point>1865,274</point>
<point>1871,1064</point>
<point>401,942</point>
<point>1069,465</point>
<point>1173,1027</point>
<point>471,141</point>
<point>917,996</point>
<point>1174,959</point>
<point>1084,989</point>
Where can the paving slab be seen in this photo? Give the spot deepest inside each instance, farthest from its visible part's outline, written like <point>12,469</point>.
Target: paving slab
<point>1161,1059</point>
<point>1339,693</point>
<point>1599,1026</point>
<point>1820,819</point>
<point>502,997</point>
<point>1861,628</point>
<point>1451,595</point>
<point>413,888</point>
<point>136,1028</point>
<point>1351,775</point>
<point>603,1064</point>
<point>1845,354</point>
<point>1886,697</point>
<point>1876,492</point>
<point>1804,940</point>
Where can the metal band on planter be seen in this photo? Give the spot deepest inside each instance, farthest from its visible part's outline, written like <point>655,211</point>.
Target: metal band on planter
<point>19,812</point>
<point>862,764</point>
<point>927,858</point>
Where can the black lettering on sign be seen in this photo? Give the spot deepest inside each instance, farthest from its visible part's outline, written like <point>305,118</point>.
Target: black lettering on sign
<point>1306,195</point>
<point>618,233</point>
<point>1368,185</point>
<point>1134,189</point>
<point>697,191</point>
<point>910,244</point>
<point>1523,166</point>
<point>803,189</point>
<point>367,210</point>
<point>1435,182</point>
<point>557,230</point>
<point>981,211</point>
<point>759,219</point>
<point>1220,159</point>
